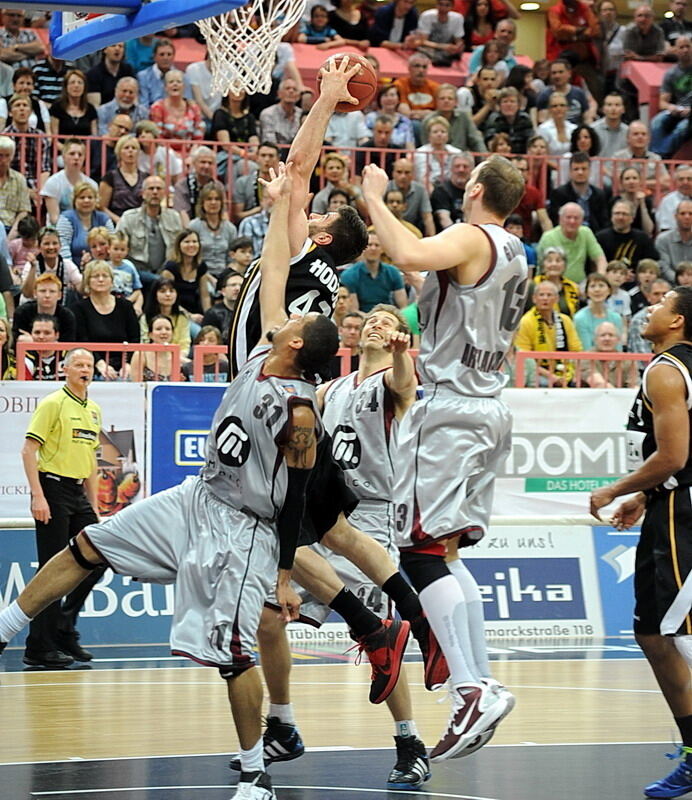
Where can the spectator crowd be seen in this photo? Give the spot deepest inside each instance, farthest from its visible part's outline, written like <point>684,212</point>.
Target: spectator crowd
<point>131,204</point>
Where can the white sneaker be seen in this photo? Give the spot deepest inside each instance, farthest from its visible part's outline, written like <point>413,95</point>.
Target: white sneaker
<point>476,709</point>
<point>254,786</point>
<point>501,689</point>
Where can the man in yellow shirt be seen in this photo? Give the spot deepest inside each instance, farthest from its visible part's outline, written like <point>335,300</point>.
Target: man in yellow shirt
<point>544,328</point>
<point>59,457</point>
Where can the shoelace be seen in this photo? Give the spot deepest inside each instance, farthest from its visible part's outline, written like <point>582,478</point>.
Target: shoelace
<point>680,752</point>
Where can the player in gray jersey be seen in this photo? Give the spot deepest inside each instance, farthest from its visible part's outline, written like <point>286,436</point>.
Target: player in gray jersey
<point>361,412</point>
<point>227,536</point>
<point>452,443</point>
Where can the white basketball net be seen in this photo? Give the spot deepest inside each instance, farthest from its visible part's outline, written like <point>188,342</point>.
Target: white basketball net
<point>242,43</point>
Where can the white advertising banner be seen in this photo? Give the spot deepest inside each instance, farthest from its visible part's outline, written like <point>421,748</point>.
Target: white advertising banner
<point>565,443</point>
<point>120,456</point>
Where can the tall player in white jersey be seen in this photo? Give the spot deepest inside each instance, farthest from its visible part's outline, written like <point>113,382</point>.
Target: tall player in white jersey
<point>452,443</point>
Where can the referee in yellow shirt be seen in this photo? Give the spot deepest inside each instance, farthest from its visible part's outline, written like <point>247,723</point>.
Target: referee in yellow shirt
<point>59,457</point>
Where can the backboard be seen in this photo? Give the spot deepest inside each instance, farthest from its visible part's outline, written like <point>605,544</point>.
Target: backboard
<point>114,7</point>
<point>77,34</point>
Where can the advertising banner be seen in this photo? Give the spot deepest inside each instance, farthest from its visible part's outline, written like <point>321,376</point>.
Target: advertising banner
<point>565,443</point>
<point>615,552</point>
<point>121,455</point>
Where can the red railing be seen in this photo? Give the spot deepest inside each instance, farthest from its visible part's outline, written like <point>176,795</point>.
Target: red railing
<point>106,348</point>
<point>581,377</point>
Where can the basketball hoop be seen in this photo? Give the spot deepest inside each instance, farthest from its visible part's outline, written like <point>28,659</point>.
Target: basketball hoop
<point>242,43</point>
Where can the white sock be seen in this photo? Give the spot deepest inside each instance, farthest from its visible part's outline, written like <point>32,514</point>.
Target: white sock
<point>476,620</point>
<point>252,760</point>
<point>284,711</point>
<point>12,620</point>
<point>445,608</point>
<point>405,728</point>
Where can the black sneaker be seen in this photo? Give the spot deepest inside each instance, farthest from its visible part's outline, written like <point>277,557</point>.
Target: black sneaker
<point>412,768</point>
<point>50,659</point>
<point>69,643</point>
<point>281,741</point>
<point>254,786</point>
<point>385,648</point>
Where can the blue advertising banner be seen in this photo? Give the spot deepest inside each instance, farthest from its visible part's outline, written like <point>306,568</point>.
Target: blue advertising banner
<point>179,420</point>
<point>119,610</point>
<point>615,552</point>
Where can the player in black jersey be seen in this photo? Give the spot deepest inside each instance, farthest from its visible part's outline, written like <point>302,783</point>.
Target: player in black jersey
<point>319,243</point>
<point>659,453</point>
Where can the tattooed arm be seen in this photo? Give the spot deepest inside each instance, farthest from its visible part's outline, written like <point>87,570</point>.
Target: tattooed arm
<point>300,452</point>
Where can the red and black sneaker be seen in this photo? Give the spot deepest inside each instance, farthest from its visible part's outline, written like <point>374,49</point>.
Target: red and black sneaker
<point>385,648</point>
<point>436,669</point>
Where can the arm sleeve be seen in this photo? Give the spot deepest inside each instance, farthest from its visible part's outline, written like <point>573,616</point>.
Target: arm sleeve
<point>291,515</point>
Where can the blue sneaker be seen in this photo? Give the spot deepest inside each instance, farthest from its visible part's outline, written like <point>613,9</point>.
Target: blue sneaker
<point>679,782</point>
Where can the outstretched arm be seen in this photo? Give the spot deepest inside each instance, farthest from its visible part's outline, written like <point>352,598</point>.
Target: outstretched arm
<point>275,260</point>
<point>401,378</point>
<point>307,146</point>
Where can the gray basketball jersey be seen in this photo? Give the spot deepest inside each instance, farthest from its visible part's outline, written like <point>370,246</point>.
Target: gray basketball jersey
<point>360,419</point>
<point>466,331</point>
<point>245,466</point>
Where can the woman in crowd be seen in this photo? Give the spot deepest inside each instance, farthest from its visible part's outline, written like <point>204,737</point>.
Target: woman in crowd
<point>552,268</point>
<point>479,24</point>
<point>540,168</point>
<point>74,224</point>
<point>146,366</point>
<point>163,299</point>
<point>335,171</point>
<point>557,129</point>
<point>102,317</point>
<point>431,160</point>
<point>494,53</point>
<point>348,21</point>
<point>188,272</point>
<point>583,140</point>
<point>155,159</point>
<point>214,365</point>
<point>178,118</point>
<point>58,190</point>
<point>232,123</point>
<point>8,369</point>
<point>388,101</point>
<point>587,319</point>
<point>121,188</point>
<point>633,188</point>
<point>71,114</point>
<point>501,144</point>
<point>24,83</point>
<point>520,77</point>
<point>214,230</point>
<point>49,259</point>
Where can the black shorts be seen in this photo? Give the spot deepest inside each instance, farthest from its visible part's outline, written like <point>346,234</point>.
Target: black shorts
<point>327,495</point>
<point>662,591</point>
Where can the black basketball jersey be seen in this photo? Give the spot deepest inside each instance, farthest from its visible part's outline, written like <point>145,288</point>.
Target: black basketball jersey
<point>313,283</point>
<point>641,440</point>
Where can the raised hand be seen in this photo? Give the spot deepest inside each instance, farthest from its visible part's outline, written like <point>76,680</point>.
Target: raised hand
<point>280,181</point>
<point>335,78</point>
<point>374,182</point>
<point>396,341</point>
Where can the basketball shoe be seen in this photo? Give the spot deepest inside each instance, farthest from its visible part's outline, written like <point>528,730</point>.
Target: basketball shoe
<point>436,670</point>
<point>281,742</point>
<point>254,786</point>
<point>476,709</point>
<point>679,782</point>
<point>412,768</point>
<point>385,648</point>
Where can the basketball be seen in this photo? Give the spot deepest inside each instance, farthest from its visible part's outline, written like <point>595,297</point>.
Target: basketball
<point>362,85</point>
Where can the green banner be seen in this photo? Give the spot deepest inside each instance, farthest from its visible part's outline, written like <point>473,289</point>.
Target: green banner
<point>566,484</point>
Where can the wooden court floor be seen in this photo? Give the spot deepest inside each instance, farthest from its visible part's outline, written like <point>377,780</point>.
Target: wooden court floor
<point>59,723</point>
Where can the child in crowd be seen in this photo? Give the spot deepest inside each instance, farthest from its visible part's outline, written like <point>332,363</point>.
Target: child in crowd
<point>619,300</point>
<point>126,280</point>
<point>214,365</point>
<point>514,224</point>
<point>683,273</point>
<point>242,254</point>
<point>318,31</point>
<point>647,272</point>
<point>22,247</point>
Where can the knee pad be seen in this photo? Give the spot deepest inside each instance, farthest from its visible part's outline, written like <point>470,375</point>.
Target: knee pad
<point>422,569</point>
<point>230,672</point>
<point>78,557</point>
<point>684,645</point>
